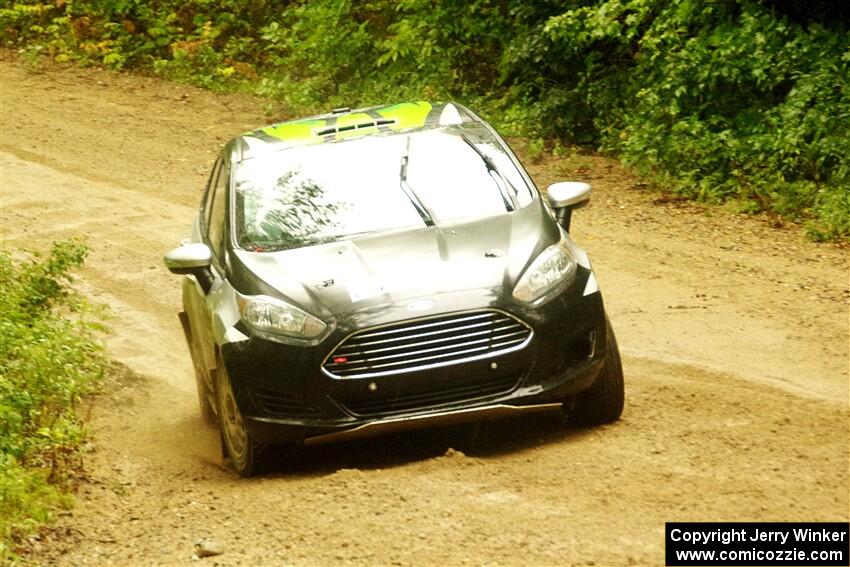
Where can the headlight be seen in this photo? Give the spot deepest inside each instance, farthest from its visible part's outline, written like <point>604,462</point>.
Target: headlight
<point>270,316</point>
<point>555,266</point>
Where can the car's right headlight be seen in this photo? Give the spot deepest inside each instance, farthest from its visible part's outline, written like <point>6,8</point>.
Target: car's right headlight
<point>275,319</point>
<point>552,269</point>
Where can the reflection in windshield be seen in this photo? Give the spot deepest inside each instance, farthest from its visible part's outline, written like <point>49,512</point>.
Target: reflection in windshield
<point>311,194</point>
<point>294,213</point>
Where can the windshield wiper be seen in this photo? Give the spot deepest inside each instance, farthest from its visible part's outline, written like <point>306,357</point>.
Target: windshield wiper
<point>420,207</point>
<point>510,199</point>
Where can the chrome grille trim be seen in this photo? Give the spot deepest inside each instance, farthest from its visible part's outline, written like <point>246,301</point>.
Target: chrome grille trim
<point>423,326</point>
<point>481,334</point>
<point>435,349</point>
<point>428,334</point>
<point>435,341</point>
<point>499,342</point>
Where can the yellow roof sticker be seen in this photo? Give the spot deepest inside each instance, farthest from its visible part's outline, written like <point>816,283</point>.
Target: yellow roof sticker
<point>293,131</point>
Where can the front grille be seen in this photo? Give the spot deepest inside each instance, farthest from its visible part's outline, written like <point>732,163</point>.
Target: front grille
<point>438,396</point>
<point>426,343</point>
<point>284,404</point>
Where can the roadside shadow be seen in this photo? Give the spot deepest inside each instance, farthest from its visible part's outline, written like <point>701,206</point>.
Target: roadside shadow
<point>483,440</point>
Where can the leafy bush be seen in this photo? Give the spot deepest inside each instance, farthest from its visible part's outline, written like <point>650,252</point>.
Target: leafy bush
<point>713,100</point>
<point>49,359</point>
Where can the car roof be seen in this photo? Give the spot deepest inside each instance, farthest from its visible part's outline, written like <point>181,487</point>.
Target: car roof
<point>345,123</point>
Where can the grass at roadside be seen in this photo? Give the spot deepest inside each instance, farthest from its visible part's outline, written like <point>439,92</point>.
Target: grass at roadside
<point>50,358</point>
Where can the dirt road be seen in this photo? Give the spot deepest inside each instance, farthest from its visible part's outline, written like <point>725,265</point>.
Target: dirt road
<point>734,334</point>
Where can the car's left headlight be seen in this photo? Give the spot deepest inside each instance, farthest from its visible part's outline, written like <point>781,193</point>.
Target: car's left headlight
<point>272,317</point>
<point>552,269</point>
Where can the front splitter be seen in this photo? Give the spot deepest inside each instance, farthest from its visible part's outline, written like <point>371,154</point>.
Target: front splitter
<point>450,417</point>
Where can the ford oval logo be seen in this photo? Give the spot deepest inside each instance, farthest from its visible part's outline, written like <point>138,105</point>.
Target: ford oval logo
<point>420,305</point>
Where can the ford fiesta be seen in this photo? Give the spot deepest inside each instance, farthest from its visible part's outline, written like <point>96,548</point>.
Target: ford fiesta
<point>378,269</point>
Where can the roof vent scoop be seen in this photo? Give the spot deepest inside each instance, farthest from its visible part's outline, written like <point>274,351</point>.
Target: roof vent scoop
<point>349,127</point>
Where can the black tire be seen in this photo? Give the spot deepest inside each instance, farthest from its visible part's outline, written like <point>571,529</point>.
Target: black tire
<point>603,401</point>
<point>241,452</point>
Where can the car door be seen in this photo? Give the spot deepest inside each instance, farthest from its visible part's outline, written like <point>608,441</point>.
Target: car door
<point>198,301</point>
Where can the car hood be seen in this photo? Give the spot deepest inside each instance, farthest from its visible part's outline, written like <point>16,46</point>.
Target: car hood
<point>425,270</point>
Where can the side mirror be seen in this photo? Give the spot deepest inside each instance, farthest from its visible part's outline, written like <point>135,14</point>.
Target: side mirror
<point>188,259</point>
<point>192,259</point>
<point>573,194</point>
<point>566,196</point>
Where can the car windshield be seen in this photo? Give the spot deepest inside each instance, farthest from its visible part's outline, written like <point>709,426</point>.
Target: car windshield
<point>318,193</point>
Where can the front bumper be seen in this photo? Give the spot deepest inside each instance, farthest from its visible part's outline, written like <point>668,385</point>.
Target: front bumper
<point>431,419</point>
<point>285,397</point>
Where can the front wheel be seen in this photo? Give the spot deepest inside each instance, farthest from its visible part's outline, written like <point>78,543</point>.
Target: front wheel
<point>603,401</point>
<point>242,453</point>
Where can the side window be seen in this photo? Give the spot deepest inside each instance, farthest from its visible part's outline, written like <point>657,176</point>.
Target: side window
<point>217,210</point>
<point>206,203</point>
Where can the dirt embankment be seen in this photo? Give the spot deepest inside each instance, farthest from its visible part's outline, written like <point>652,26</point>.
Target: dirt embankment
<point>735,338</point>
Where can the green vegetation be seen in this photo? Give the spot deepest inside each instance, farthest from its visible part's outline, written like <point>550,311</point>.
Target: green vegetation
<point>49,359</point>
<point>720,101</point>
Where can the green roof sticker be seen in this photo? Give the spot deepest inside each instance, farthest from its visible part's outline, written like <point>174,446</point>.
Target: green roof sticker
<point>407,114</point>
<point>402,116</point>
<point>301,130</point>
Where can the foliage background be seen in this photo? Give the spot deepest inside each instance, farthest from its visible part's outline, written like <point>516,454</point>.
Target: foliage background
<point>740,101</point>
<point>49,359</point>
